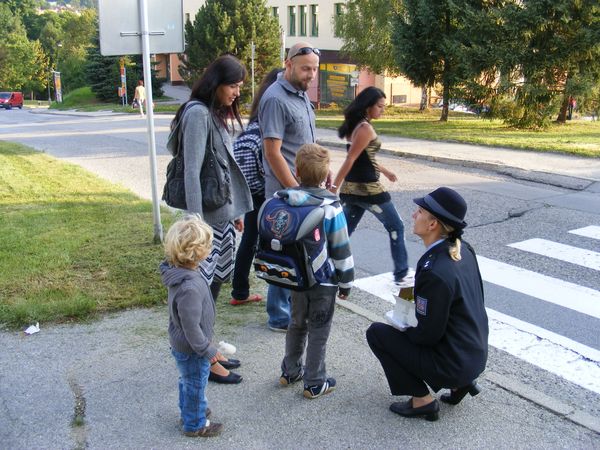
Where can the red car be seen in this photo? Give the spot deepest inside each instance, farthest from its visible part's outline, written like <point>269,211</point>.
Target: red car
<point>8,100</point>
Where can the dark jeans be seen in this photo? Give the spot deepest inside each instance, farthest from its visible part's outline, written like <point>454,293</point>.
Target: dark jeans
<point>246,251</point>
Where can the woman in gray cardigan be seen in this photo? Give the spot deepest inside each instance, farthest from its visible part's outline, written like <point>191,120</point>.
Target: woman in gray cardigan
<point>213,104</point>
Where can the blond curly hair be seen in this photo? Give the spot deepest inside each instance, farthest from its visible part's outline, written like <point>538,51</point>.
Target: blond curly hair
<point>188,241</point>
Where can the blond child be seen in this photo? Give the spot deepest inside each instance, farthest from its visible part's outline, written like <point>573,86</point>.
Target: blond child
<point>191,320</point>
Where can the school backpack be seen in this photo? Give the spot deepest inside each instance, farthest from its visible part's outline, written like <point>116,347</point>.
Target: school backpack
<point>292,245</point>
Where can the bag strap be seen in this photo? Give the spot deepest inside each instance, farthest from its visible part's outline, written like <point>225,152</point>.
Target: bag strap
<point>187,106</point>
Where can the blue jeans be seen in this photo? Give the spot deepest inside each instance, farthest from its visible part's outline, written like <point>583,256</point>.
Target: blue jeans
<point>278,306</point>
<point>193,377</point>
<point>386,213</point>
<point>246,251</point>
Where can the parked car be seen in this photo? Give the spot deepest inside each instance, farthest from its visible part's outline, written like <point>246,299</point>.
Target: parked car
<point>9,100</point>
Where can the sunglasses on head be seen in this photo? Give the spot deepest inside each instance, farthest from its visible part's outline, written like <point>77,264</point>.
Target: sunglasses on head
<point>306,51</point>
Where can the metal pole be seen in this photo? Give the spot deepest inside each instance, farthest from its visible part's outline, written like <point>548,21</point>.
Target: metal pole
<point>158,231</point>
<point>282,48</point>
<point>253,49</point>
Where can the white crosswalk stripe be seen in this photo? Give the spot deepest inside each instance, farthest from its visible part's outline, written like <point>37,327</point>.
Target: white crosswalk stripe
<point>571,360</point>
<point>593,231</point>
<point>580,256</point>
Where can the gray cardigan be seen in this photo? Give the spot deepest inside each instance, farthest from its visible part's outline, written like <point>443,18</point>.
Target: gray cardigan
<point>195,123</point>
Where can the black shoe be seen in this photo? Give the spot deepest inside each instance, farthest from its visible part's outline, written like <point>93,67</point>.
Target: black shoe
<point>232,378</point>
<point>454,397</point>
<point>405,409</point>
<point>231,363</point>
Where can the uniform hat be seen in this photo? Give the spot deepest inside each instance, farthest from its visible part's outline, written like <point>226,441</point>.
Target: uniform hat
<point>447,205</point>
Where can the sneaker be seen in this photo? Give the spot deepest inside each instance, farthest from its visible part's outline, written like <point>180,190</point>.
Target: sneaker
<point>286,380</point>
<point>407,280</point>
<point>278,329</point>
<point>209,430</point>
<point>206,414</point>
<point>319,389</point>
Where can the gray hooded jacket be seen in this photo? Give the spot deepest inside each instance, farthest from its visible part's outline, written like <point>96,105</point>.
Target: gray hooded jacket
<point>191,311</point>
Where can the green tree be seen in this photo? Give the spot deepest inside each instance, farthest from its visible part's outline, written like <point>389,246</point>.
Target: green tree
<point>230,26</point>
<point>22,62</point>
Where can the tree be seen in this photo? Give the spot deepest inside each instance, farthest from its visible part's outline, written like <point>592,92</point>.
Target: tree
<point>230,26</point>
<point>22,62</point>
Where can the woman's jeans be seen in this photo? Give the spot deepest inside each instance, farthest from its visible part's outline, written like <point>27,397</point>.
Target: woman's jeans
<point>386,213</point>
<point>193,377</point>
<point>246,251</point>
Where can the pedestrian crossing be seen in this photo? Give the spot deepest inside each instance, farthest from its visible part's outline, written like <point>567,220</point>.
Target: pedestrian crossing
<point>550,351</point>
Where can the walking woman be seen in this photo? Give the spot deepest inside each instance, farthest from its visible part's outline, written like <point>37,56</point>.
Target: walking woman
<point>448,347</point>
<point>248,151</point>
<point>207,121</point>
<point>361,189</point>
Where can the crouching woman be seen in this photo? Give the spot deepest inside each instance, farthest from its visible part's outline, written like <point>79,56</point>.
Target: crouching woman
<point>448,347</point>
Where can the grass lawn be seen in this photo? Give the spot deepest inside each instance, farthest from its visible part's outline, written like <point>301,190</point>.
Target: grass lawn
<point>73,246</point>
<point>576,137</point>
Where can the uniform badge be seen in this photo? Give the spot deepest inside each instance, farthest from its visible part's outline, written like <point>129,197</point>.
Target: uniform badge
<point>421,305</point>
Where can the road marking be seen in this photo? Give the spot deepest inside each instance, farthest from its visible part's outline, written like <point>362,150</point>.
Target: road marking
<point>562,252</point>
<point>549,351</point>
<point>593,231</point>
<point>552,290</point>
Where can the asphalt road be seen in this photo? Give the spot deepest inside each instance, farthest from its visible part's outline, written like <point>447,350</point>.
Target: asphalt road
<point>502,212</point>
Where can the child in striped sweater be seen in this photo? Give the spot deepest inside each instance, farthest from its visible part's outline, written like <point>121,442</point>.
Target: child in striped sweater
<point>312,310</point>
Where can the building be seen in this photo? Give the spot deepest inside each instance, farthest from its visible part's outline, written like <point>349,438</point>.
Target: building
<point>339,78</point>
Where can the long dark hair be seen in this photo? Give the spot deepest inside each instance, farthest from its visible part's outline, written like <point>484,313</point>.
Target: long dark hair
<point>356,111</point>
<point>226,69</point>
<point>267,81</point>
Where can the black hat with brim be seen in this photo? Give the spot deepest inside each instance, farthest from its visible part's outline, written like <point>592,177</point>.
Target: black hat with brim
<point>446,205</point>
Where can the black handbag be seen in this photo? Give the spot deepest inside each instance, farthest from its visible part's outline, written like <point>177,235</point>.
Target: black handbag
<point>215,178</point>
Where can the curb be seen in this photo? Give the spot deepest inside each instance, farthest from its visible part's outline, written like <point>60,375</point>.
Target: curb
<point>511,385</point>
<point>562,181</point>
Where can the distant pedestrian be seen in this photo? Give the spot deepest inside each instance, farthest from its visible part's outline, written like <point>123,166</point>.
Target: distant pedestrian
<point>448,347</point>
<point>139,97</point>
<point>312,310</point>
<point>571,107</point>
<point>359,174</point>
<point>191,320</point>
<point>287,121</point>
<point>248,151</point>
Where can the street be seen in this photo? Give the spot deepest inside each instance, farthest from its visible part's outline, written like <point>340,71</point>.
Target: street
<point>538,245</point>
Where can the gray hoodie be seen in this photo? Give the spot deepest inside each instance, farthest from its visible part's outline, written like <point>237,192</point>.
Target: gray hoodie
<point>191,311</point>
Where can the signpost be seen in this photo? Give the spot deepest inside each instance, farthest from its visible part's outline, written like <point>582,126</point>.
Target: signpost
<point>143,26</point>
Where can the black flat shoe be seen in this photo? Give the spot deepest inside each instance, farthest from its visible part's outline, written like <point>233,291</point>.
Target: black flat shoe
<point>231,363</point>
<point>405,409</point>
<point>454,397</point>
<point>232,378</point>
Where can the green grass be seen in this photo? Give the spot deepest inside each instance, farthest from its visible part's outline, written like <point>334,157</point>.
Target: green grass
<point>71,244</point>
<point>576,137</point>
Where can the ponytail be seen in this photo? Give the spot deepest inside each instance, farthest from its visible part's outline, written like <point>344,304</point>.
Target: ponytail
<point>453,235</point>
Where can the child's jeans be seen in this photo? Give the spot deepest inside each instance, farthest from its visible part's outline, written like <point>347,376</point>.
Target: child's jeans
<point>193,377</point>
<point>312,312</point>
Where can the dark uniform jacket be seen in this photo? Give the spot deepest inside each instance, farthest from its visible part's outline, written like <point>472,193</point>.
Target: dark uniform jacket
<point>452,329</point>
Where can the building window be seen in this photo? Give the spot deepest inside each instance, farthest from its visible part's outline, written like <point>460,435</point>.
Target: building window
<point>399,99</point>
<point>275,11</point>
<point>314,20</point>
<point>303,20</point>
<point>291,21</point>
<point>338,12</point>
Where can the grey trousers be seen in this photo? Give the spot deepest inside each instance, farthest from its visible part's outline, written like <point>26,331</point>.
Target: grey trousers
<point>311,315</point>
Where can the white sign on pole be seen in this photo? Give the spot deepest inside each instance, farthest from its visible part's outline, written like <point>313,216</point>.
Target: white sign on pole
<point>120,26</point>
<point>143,26</point>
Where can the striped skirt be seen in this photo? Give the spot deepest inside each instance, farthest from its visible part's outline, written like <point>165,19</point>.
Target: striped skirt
<point>219,264</point>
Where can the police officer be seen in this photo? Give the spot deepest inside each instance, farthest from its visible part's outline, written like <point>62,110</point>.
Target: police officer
<point>449,346</point>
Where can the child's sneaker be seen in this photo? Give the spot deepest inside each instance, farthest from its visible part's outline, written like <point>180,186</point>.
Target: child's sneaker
<point>209,430</point>
<point>286,380</point>
<point>319,389</point>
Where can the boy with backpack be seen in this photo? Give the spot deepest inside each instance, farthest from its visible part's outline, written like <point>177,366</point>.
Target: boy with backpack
<point>331,269</point>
